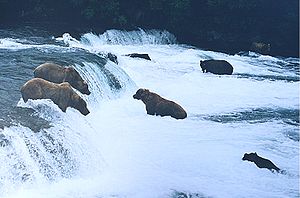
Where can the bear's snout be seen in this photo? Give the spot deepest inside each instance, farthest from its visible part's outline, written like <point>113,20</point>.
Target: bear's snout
<point>134,96</point>
<point>85,112</point>
<point>83,109</point>
<point>87,92</point>
<point>81,86</point>
<point>246,157</point>
<point>137,96</point>
<point>140,94</point>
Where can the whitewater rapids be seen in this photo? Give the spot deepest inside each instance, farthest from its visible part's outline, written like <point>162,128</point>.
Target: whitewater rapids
<point>120,151</point>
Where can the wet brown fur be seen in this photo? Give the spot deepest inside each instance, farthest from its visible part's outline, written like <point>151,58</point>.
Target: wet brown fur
<point>156,105</point>
<point>55,73</point>
<point>61,94</point>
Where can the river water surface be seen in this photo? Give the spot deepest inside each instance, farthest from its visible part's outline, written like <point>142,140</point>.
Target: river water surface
<point>120,151</point>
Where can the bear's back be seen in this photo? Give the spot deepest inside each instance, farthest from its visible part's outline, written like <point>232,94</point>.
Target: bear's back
<point>50,66</point>
<point>50,71</point>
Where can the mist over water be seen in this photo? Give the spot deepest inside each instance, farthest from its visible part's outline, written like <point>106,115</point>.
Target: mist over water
<point>120,151</point>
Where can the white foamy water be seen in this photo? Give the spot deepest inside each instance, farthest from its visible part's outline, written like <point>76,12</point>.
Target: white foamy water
<point>120,151</point>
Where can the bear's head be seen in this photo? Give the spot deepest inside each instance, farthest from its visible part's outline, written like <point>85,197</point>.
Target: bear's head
<point>73,77</point>
<point>141,94</point>
<point>250,157</point>
<point>78,103</point>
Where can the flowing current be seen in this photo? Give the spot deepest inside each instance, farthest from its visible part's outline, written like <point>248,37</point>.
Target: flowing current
<point>120,151</point>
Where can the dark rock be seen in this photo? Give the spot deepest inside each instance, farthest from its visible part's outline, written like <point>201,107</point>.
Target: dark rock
<point>112,58</point>
<point>136,55</point>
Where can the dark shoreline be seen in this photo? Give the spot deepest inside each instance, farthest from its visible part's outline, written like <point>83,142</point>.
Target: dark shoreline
<point>228,26</point>
<point>77,30</point>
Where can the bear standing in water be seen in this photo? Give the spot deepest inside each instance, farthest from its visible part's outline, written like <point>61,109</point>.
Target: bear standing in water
<point>61,94</point>
<point>58,74</point>
<point>156,105</point>
<point>260,162</point>
<point>220,67</point>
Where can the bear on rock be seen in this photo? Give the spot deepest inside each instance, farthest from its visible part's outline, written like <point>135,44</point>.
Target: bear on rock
<point>61,94</point>
<point>58,74</point>
<point>156,105</point>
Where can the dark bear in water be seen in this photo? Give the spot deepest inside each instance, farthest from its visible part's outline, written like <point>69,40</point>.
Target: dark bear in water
<point>136,55</point>
<point>58,74</point>
<point>220,67</point>
<point>61,94</point>
<point>260,162</point>
<point>156,105</point>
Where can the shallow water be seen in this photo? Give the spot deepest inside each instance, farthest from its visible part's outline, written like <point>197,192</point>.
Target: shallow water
<point>120,151</point>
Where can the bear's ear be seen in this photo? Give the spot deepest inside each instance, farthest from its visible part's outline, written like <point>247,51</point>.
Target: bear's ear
<point>142,92</point>
<point>139,91</point>
<point>146,92</point>
<point>255,153</point>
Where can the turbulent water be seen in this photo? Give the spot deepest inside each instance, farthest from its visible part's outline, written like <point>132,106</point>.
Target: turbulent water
<point>120,151</point>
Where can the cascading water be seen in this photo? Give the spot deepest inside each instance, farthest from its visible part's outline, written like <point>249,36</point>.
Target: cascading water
<point>137,37</point>
<point>49,153</point>
<point>120,151</point>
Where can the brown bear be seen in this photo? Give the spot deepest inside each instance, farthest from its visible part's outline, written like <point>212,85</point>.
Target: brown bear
<point>156,105</point>
<point>220,67</point>
<point>61,94</point>
<point>260,162</point>
<point>58,74</point>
